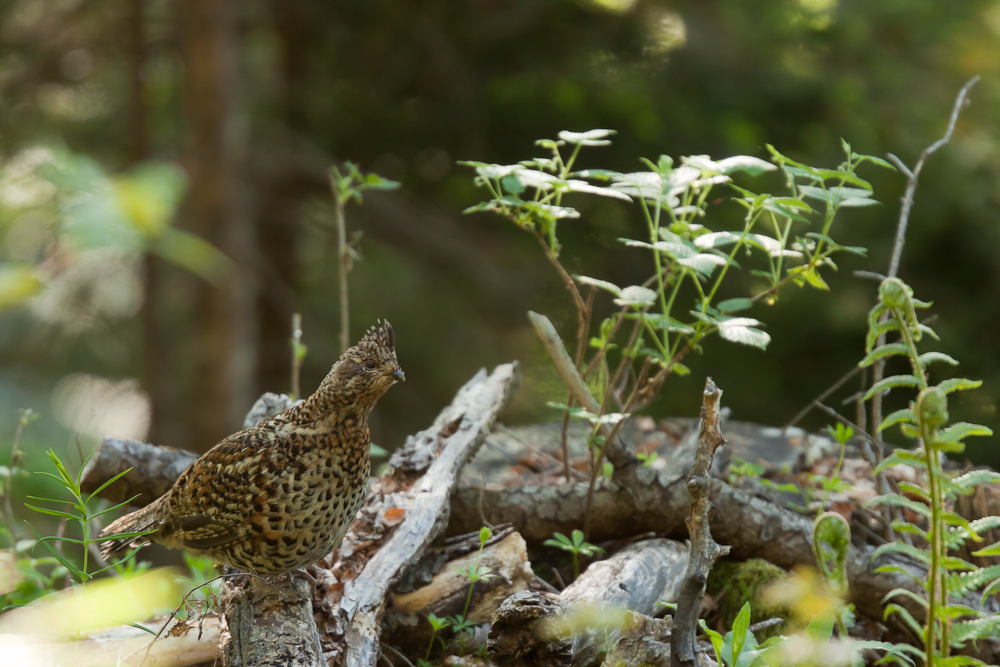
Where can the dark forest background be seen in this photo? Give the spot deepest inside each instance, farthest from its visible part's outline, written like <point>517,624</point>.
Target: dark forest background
<point>130,129</point>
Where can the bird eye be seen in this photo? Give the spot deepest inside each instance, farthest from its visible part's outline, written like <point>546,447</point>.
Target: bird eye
<point>370,365</point>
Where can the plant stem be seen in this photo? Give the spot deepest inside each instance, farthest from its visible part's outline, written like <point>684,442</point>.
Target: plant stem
<point>566,278</point>
<point>933,576</point>
<point>567,471</point>
<point>296,360</point>
<point>343,262</point>
<point>472,584</point>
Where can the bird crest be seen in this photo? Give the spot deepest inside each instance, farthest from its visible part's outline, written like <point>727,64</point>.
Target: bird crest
<point>380,335</point>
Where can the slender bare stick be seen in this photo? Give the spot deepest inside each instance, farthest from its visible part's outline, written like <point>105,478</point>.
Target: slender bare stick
<point>904,219</point>
<point>822,397</point>
<point>343,261</point>
<point>911,186</point>
<point>567,369</point>
<point>704,549</point>
<point>618,455</point>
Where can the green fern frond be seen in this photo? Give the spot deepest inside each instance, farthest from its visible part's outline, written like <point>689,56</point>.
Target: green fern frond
<point>904,456</point>
<point>896,500</point>
<point>888,350</point>
<point>932,357</point>
<point>952,385</point>
<point>902,549</point>
<point>891,382</point>
<point>904,416</point>
<point>958,432</point>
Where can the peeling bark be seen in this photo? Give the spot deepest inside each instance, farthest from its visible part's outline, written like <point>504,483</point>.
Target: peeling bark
<point>270,623</point>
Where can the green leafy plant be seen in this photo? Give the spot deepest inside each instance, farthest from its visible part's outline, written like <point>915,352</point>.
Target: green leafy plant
<point>8,531</point>
<point>79,511</point>
<point>645,340</point>
<point>647,458</point>
<point>24,577</point>
<point>576,546</point>
<point>831,542</point>
<point>948,623</point>
<point>460,624</point>
<point>833,483</point>
<point>740,469</point>
<point>346,186</point>
<point>826,485</point>
<point>738,647</point>
<point>131,212</point>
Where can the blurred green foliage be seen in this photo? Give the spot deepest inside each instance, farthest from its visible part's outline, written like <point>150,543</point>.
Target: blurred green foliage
<point>405,90</point>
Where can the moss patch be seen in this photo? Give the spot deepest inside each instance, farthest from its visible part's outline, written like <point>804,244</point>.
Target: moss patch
<point>736,583</point>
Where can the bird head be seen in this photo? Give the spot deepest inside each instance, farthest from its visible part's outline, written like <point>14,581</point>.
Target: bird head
<point>366,371</point>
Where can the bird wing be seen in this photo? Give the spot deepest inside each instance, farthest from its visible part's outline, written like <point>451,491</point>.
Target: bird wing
<point>211,503</point>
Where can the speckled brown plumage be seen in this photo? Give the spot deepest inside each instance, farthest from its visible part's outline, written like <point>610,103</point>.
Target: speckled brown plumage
<point>279,495</point>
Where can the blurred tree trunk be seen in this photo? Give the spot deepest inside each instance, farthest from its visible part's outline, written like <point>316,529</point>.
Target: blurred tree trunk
<point>153,343</point>
<point>217,211</point>
<point>277,224</point>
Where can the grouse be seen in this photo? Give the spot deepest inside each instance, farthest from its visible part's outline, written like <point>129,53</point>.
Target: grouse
<point>279,495</point>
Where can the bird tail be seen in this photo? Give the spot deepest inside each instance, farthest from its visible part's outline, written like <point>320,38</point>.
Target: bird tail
<point>129,532</point>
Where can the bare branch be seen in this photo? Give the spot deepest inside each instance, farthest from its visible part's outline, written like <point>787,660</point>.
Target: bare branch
<point>704,549</point>
<point>912,176</point>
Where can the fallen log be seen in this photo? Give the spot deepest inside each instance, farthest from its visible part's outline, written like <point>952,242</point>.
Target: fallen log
<point>576,627</point>
<point>754,527</point>
<point>656,502</point>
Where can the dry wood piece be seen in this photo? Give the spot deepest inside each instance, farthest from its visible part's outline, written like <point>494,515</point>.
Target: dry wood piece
<point>510,572</point>
<point>704,550</point>
<point>531,629</point>
<point>406,511</point>
<point>270,623</point>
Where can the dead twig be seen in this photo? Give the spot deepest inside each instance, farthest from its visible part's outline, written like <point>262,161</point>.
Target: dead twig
<point>912,177</point>
<point>704,549</point>
<point>822,397</point>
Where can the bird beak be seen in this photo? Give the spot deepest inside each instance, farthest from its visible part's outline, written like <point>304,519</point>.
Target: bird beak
<point>398,374</point>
